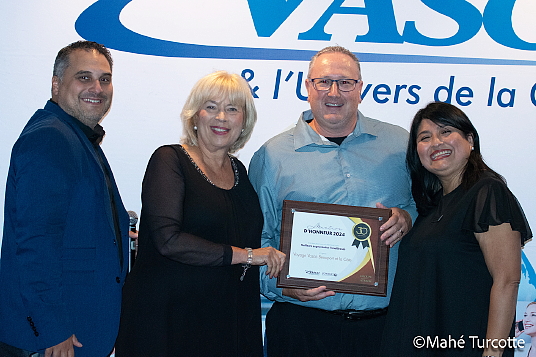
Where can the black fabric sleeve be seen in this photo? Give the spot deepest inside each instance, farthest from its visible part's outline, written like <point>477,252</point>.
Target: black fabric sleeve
<point>494,204</point>
<point>162,209</point>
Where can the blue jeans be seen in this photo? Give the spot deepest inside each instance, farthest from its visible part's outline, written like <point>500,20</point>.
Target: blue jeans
<point>10,351</point>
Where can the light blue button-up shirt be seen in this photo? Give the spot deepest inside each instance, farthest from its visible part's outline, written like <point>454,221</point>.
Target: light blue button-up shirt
<point>299,164</point>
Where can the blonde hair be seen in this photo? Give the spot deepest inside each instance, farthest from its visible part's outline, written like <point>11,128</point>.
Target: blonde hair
<point>217,85</point>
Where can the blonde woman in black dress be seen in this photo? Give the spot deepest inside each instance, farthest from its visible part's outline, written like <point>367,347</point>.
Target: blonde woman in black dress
<point>194,290</point>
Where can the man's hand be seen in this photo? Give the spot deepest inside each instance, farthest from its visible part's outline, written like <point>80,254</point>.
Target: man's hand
<point>308,295</point>
<point>63,349</point>
<point>396,227</point>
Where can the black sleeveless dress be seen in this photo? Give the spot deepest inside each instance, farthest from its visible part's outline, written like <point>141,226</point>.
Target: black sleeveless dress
<point>182,297</point>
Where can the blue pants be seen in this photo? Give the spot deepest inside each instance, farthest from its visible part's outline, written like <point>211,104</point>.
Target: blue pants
<point>10,351</point>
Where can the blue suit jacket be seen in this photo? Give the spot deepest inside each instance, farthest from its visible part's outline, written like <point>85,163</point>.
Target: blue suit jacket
<point>59,270</point>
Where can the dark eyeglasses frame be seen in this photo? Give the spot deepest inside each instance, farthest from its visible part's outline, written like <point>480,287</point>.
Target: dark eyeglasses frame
<point>334,81</point>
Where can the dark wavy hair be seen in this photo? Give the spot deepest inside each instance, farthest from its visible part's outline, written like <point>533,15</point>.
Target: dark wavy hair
<point>62,59</point>
<point>425,185</point>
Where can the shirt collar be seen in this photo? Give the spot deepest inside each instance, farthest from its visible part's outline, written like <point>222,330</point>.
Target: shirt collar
<point>305,135</point>
<point>94,135</point>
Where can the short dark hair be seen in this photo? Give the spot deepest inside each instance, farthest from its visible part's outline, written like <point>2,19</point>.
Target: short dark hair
<point>62,59</point>
<point>426,185</point>
<point>336,49</point>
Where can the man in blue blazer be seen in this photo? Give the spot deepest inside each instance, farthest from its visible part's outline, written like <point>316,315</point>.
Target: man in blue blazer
<point>65,242</point>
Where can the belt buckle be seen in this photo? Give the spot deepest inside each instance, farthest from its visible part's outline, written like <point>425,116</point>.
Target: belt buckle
<point>353,315</point>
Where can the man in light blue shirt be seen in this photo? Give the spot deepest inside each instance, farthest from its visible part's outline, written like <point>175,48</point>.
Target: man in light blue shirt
<point>334,155</point>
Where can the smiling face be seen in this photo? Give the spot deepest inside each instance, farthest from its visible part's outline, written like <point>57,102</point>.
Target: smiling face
<point>529,320</point>
<point>444,151</point>
<point>85,91</point>
<point>219,124</point>
<point>335,112</point>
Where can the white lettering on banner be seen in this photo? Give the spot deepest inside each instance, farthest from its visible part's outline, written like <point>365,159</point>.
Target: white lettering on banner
<point>435,342</point>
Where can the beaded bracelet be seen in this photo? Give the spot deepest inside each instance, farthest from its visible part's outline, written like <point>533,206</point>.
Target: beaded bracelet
<point>248,263</point>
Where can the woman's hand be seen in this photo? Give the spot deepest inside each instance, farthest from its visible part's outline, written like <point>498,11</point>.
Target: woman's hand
<point>273,258</point>
<point>517,332</point>
<point>269,256</point>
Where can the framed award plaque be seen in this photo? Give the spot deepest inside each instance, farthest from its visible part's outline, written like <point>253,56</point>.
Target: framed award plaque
<point>336,246</point>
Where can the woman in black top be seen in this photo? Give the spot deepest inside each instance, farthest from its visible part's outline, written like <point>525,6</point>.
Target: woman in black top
<point>459,267</point>
<point>194,289</point>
